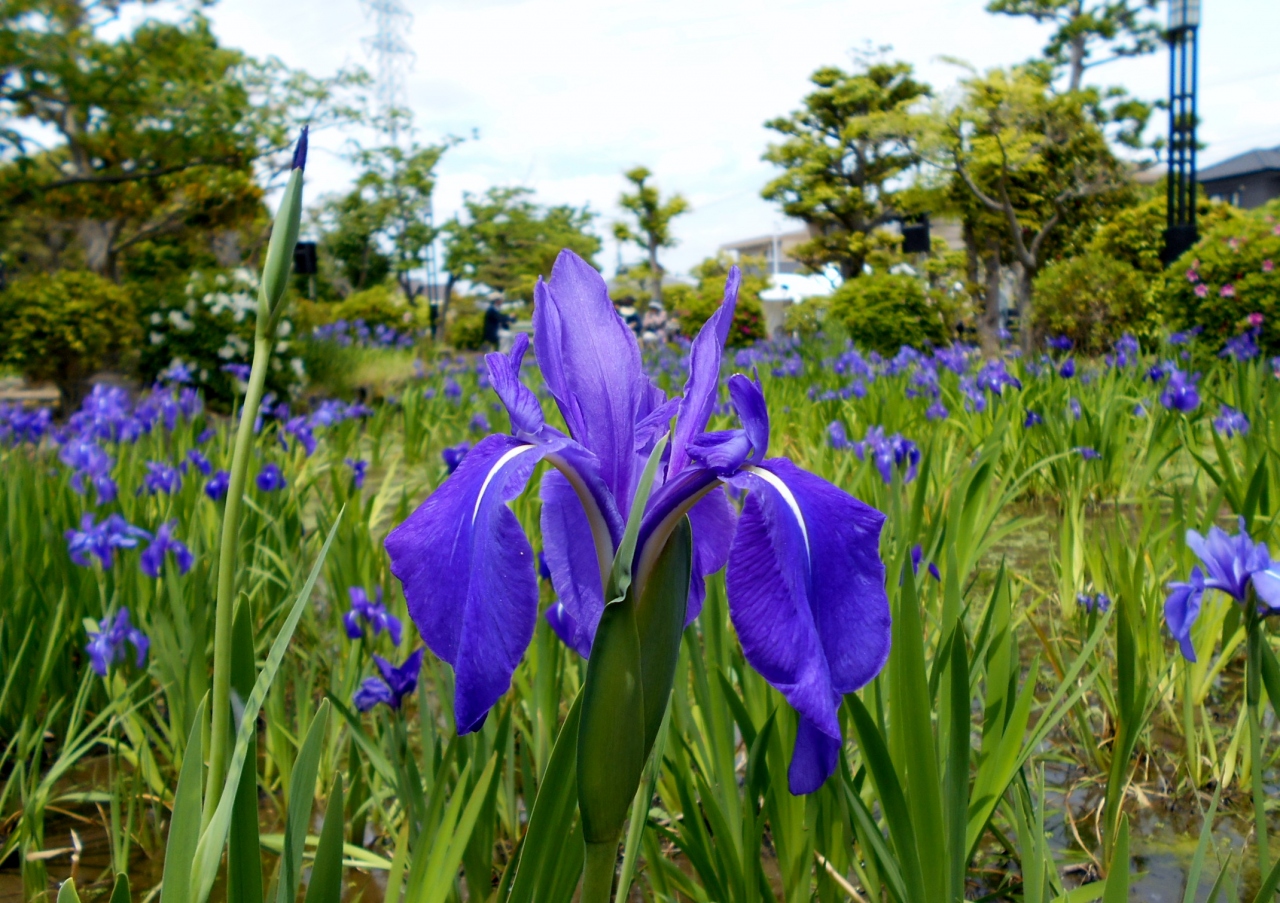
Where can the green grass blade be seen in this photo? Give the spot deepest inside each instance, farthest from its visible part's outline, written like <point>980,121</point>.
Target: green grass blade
<point>1118,874</point>
<point>244,853</point>
<point>326,872</point>
<point>1202,847</point>
<point>302,786</point>
<point>184,823</point>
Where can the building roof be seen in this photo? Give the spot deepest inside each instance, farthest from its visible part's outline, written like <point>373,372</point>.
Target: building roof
<point>796,236</point>
<point>1248,163</point>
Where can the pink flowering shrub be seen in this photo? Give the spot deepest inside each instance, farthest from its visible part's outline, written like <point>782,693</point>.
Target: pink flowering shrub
<point>1229,278</point>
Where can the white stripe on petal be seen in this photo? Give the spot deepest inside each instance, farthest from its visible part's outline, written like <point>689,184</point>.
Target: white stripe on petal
<point>772,479</point>
<point>493,472</point>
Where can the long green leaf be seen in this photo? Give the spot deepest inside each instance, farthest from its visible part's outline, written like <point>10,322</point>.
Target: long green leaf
<point>244,854</point>
<point>1118,874</point>
<point>302,786</point>
<point>326,872</point>
<point>184,823</point>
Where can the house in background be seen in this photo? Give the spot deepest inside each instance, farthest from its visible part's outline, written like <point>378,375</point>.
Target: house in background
<point>1248,180</point>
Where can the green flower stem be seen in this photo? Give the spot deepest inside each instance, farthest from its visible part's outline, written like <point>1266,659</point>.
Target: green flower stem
<point>597,877</point>
<point>220,740</point>
<point>1253,698</point>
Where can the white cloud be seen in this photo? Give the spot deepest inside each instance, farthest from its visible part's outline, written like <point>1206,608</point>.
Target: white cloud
<point>566,94</point>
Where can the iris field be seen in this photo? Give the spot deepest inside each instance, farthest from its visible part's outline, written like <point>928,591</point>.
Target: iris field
<point>1033,734</point>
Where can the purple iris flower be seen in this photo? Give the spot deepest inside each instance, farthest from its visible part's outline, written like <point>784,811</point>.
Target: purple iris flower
<point>359,468</point>
<point>805,582</point>
<point>394,685</point>
<point>1127,351</point>
<point>837,438</point>
<point>1101,603</point>
<point>479,423</point>
<point>1180,392</point>
<point>975,399</point>
<point>1243,347</point>
<point>1059,343</point>
<point>995,376</point>
<point>1088,453</point>
<point>91,465</point>
<point>1073,404</point>
<point>199,461</point>
<point>1231,421</point>
<point>101,540</point>
<point>1160,370</point>
<point>374,614</point>
<point>453,455</point>
<point>1032,419</point>
<point>936,411</point>
<point>271,479</point>
<point>917,554</point>
<point>452,390</point>
<point>1068,368</point>
<point>888,452</point>
<point>238,371</point>
<point>1233,564</point>
<point>1181,338</point>
<point>300,429</point>
<point>218,485</point>
<point>106,647</point>
<point>161,476</point>
<point>152,558</point>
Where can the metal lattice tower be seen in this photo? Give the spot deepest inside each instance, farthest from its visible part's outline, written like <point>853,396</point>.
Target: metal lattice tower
<point>391,54</point>
<point>1181,232</point>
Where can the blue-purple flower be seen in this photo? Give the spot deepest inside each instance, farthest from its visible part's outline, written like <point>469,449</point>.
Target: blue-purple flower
<point>395,684</point>
<point>1100,603</point>
<point>374,614</point>
<point>1032,419</point>
<point>102,539</point>
<point>1234,563</point>
<point>218,485</point>
<point>106,647</point>
<point>1087,452</point>
<point>161,477</point>
<point>837,438</point>
<point>199,461</point>
<point>1127,351</point>
<point>1180,393</point>
<point>359,468</point>
<point>1243,347</point>
<point>804,581</point>
<point>1059,343</point>
<point>888,452</point>
<point>452,455</point>
<point>1231,421</point>
<point>917,555</point>
<point>165,543</point>
<point>1068,368</point>
<point>271,479</point>
<point>936,411</point>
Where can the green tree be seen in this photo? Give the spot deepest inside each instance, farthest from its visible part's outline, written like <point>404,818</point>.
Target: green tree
<point>157,132</point>
<point>844,154</point>
<point>349,227</point>
<point>885,311</point>
<point>652,227</point>
<point>694,306</point>
<point>1037,161</point>
<point>1081,27</point>
<point>504,240</point>
<point>65,327</point>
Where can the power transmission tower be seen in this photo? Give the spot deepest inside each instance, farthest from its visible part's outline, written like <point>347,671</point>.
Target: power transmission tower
<point>393,58</point>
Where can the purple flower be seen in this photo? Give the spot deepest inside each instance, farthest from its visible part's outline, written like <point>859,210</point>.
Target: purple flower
<point>101,540</point>
<point>1068,368</point>
<point>837,438</point>
<point>238,371</point>
<point>1032,419</point>
<point>394,684</point>
<point>1127,351</point>
<point>92,465</point>
<point>176,372</point>
<point>936,411</point>
<point>452,390</point>
<point>1243,347</point>
<point>804,580</point>
<point>1073,404</point>
<point>1180,392</point>
<point>358,469</point>
<point>161,476</point>
<point>300,429</point>
<point>975,399</point>
<point>106,647</point>
<point>1181,338</point>
<point>199,461</point>
<point>271,479</point>
<point>1233,564</point>
<point>1088,453</point>
<point>888,452</point>
<point>995,377</point>
<point>453,455</point>
<point>374,614</point>
<point>218,485</point>
<point>917,553</point>
<point>152,558</point>
<point>1059,343</point>
<point>1101,603</point>
<point>1231,422</point>
<point>479,423</point>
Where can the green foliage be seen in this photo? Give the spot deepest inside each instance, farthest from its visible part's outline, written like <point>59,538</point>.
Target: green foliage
<point>694,306</point>
<point>380,305</point>
<point>506,241</point>
<point>65,327</point>
<point>1093,299</point>
<point>466,326</point>
<point>807,318</point>
<point>843,154</point>
<point>209,324</point>
<point>884,311</point>
<point>651,229</point>
<point>1135,234</point>
<point>1232,272</point>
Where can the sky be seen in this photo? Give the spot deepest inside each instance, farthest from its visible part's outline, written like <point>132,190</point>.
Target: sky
<point>561,96</point>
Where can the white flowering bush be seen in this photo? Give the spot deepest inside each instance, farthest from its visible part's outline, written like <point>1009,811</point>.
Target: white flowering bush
<point>208,331</point>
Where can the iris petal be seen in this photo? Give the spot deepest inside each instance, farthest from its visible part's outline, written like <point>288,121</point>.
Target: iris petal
<point>713,521</point>
<point>572,560</point>
<point>704,375</point>
<point>522,405</point>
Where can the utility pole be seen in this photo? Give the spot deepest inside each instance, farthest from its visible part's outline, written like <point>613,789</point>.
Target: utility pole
<point>1184,25</point>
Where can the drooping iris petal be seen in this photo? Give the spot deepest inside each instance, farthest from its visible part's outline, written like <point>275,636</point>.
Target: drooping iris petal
<point>699,398</point>
<point>713,521</point>
<point>806,589</point>
<point>1229,560</point>
<point>748,399</point>
<point>468,573</point>
<point>814,759</point>
<point>1182,608</point>
<point>522,405</point>
<point>591,362</point>
<point>572,559</point>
